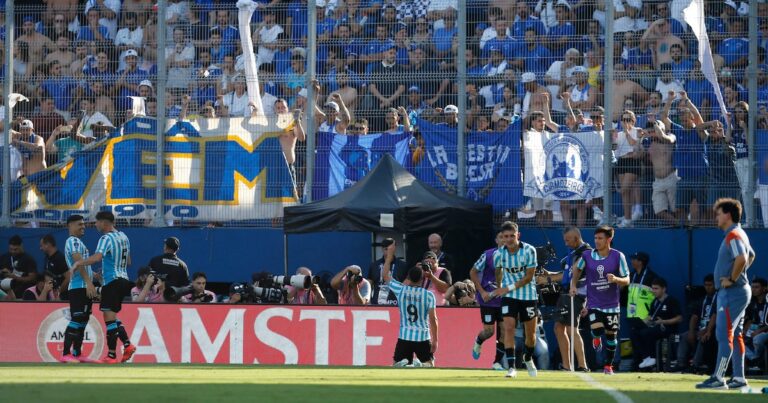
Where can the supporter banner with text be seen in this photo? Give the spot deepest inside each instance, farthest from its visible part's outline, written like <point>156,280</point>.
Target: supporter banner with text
<point>493,163</point>
<point>240,334</point>
<point>342,160</point>
<point>215,169</point>
<point>562,166</point>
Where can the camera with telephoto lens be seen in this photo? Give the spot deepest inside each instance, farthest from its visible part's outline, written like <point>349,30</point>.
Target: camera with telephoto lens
<point>6,282</point>
<point>244,289</point>
<point>158,276</point>
<point>354,278</point>
<point>173,294</point>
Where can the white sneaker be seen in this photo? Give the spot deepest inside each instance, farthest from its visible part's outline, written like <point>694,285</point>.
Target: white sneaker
<point>624,223</point>
<point>417,363</point>
<point>512,373</point>
<point>597,213</point>
<point>497,366</point>
<point>401,364</point>
<point>647,362</point>
<point>637,213</point>
<point>531,367</point>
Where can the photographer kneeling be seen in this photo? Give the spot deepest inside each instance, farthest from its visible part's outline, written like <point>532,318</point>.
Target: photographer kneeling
<point>199,293</point>
<point>45,289</point>
<point>149,287</point>
<point>353,288</point>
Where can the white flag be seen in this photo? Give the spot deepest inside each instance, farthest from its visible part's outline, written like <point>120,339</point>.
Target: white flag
<point>694,16</point>
<point>246,10</point>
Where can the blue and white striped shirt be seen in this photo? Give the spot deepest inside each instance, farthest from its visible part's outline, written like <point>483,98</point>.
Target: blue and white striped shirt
<point>115,250</point>
<point>513,267</point>
<point>414,304</point>
<point>75,246</point>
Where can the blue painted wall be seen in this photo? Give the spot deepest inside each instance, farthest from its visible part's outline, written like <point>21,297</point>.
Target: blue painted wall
<point>232,254</point>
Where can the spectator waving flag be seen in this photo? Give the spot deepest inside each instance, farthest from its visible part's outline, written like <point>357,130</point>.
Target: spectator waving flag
<point>694,17</point>
<point>342,160</point>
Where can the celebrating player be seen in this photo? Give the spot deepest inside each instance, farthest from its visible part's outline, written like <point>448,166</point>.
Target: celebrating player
<point>606,270</point>
<point>515,264</point>
<point>418,319</point>
<point>114,253</point>
<point>81,291</point>
<point>733,259</point>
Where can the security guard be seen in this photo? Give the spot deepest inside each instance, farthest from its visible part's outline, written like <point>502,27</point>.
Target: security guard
<point>170,264</point>
<point>640,297</point>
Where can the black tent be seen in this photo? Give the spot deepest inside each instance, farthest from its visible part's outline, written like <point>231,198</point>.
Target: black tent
<point>416,208</point>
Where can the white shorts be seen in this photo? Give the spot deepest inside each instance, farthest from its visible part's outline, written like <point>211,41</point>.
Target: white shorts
<point>540,204</point>
<point>664,193</point>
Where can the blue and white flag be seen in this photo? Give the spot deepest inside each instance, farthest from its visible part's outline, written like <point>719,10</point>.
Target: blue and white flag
<point>492,162</point>
<point>343,160</point>
<point>563,166</point>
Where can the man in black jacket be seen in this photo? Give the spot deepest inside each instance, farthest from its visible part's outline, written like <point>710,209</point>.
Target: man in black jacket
<point>170,265</point>
<point>381,294</point>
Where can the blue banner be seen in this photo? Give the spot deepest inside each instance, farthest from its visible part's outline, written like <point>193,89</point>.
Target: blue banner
<point>761,157</point>
<point>342,160</point>
<point>234,173</point>
<point>493,163</point>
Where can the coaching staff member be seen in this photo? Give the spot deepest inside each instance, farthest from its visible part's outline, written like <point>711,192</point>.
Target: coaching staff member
<point>169,264</point>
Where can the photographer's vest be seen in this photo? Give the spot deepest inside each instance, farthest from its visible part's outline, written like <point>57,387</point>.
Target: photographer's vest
<point>430,285</point>
<point>639,297</point>
<point>34,291</point>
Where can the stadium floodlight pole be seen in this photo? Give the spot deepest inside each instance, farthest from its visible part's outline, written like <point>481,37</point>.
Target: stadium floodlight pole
<point>5,220</point>
<point>608,114</point>
<point>461,61</point>
<point>162,77</point>
<point>310,109</point>
<point>752,68</point>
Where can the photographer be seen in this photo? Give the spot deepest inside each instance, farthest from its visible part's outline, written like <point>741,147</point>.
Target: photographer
<point>149,287</point>
<point>563,330</point>
<point>353,288</point>
<point>44,290</point>
<point>312,296</point>
<point>199,293</point>
<point>461,293</point>
<point>170,265</point>
<point>55,263</point>
<point>240,293</point>
<point>436,279</point>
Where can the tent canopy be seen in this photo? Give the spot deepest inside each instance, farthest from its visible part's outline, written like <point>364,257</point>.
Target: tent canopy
<point>390,189</point>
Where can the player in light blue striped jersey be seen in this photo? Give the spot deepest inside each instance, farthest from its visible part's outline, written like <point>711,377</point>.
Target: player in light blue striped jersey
<point>114,253</point>
<point>81,291</point>
<point>515,264</point>
<point>418,320</point>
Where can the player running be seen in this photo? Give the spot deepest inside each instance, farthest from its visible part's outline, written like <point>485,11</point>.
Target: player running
<point>484,276</point>
<point>114,253</point>
<point>418,320</point>
<point>734,292</point>
<point>606,270</point>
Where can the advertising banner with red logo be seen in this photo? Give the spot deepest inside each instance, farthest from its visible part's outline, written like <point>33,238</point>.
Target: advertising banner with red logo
<point>240,334</point>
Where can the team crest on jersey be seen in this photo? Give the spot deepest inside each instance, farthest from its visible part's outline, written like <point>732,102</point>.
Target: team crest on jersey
<point>600,270</point>
<point>50,336</point>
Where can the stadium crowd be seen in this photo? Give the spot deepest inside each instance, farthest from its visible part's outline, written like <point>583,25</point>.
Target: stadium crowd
<point>382,66</point>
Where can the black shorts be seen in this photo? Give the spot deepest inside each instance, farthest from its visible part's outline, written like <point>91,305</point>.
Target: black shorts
<point>610,321</point>
<point>79,303</point>
<point>405,349</point>
<point>563,312</point>
<point>517,308</point>
<point>627,165</point>
<point>490,314</point>
<point>112,295</point>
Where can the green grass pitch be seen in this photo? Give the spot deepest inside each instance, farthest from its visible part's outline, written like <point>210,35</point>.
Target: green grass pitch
<point>235,383</point>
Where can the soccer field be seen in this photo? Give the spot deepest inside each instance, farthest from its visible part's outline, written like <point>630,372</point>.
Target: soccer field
<point>232,383</point>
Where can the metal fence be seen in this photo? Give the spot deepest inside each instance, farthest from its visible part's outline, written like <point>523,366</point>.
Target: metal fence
<point>354,68</point>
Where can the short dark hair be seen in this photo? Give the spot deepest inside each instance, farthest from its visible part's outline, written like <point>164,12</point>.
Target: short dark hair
<point>760,281</point>
<point>659,281</point>
<point>536,115</point>
<point>730,206</point>
<point>677,45</point>
<point>74,218</point>
<point>15,241</point>
<point>509,226</point>
<point>415,274</point>
<point>605,229</point>
<point>196,275</point>
<point>105,215</point>
<point>49,239</point>
<point>709,278</point>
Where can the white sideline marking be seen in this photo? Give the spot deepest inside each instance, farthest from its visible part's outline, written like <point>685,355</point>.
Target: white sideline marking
<point>615,394</point>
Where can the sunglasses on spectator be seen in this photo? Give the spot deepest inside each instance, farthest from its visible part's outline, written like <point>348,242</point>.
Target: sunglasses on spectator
<point>626,119</point>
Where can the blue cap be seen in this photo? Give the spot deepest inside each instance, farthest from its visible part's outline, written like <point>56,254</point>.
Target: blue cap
<point>401,25</point>
<point>389,45</point>
<point>29,18</point>
<point>481,26</point>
